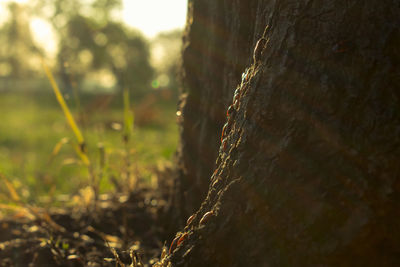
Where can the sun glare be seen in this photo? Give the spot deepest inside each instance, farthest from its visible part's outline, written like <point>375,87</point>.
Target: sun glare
<point>20,1</point>
<point>154,16</point>
<point>43,34</point>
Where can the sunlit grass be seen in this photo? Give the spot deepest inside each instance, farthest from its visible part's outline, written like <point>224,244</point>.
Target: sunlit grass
<point>32,125</point>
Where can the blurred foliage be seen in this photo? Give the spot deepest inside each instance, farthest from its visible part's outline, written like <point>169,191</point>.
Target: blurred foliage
<point>166,49</point>
<point>17,50</point>
<point>110,52</point>
<point>93,45</point>
<point>95,49</point>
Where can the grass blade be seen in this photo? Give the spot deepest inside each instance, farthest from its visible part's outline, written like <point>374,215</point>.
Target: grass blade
<point>58,147</point>
<point>128,116</point>
<point>11,189</point>
<point>61,101</point>
<point>82,155</point>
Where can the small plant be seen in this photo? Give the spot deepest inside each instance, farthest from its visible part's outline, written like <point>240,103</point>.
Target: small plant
<point>126,136</point>
<point>81,147</point>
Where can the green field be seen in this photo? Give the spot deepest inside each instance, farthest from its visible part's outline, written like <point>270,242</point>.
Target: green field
<point>32,124</point>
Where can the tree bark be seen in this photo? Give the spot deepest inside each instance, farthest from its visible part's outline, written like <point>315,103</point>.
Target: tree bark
<point>308,171</point>
<point>210,72</point>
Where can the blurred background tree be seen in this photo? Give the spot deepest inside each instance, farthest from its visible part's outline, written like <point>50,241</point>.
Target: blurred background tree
<point>17,50</point>
<point>94,47</point>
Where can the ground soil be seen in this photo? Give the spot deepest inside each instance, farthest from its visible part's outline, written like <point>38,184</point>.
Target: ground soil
<point>121,228</point>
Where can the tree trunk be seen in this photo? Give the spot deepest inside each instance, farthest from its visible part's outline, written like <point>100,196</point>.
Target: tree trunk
<point>308,171</point>
<point>209,74</point>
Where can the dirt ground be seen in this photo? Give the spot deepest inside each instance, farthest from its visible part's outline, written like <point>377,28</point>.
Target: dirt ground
<point>119,229</point>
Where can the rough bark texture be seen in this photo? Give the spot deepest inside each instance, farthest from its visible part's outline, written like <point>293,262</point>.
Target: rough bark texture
<point>216,50</point>
<point>308,173</point>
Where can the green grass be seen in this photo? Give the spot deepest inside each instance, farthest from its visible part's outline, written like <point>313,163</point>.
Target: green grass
<point>32,124</point>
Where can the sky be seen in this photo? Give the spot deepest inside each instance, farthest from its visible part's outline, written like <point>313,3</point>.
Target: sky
<point>149,16</point>
<point>153,16</point>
